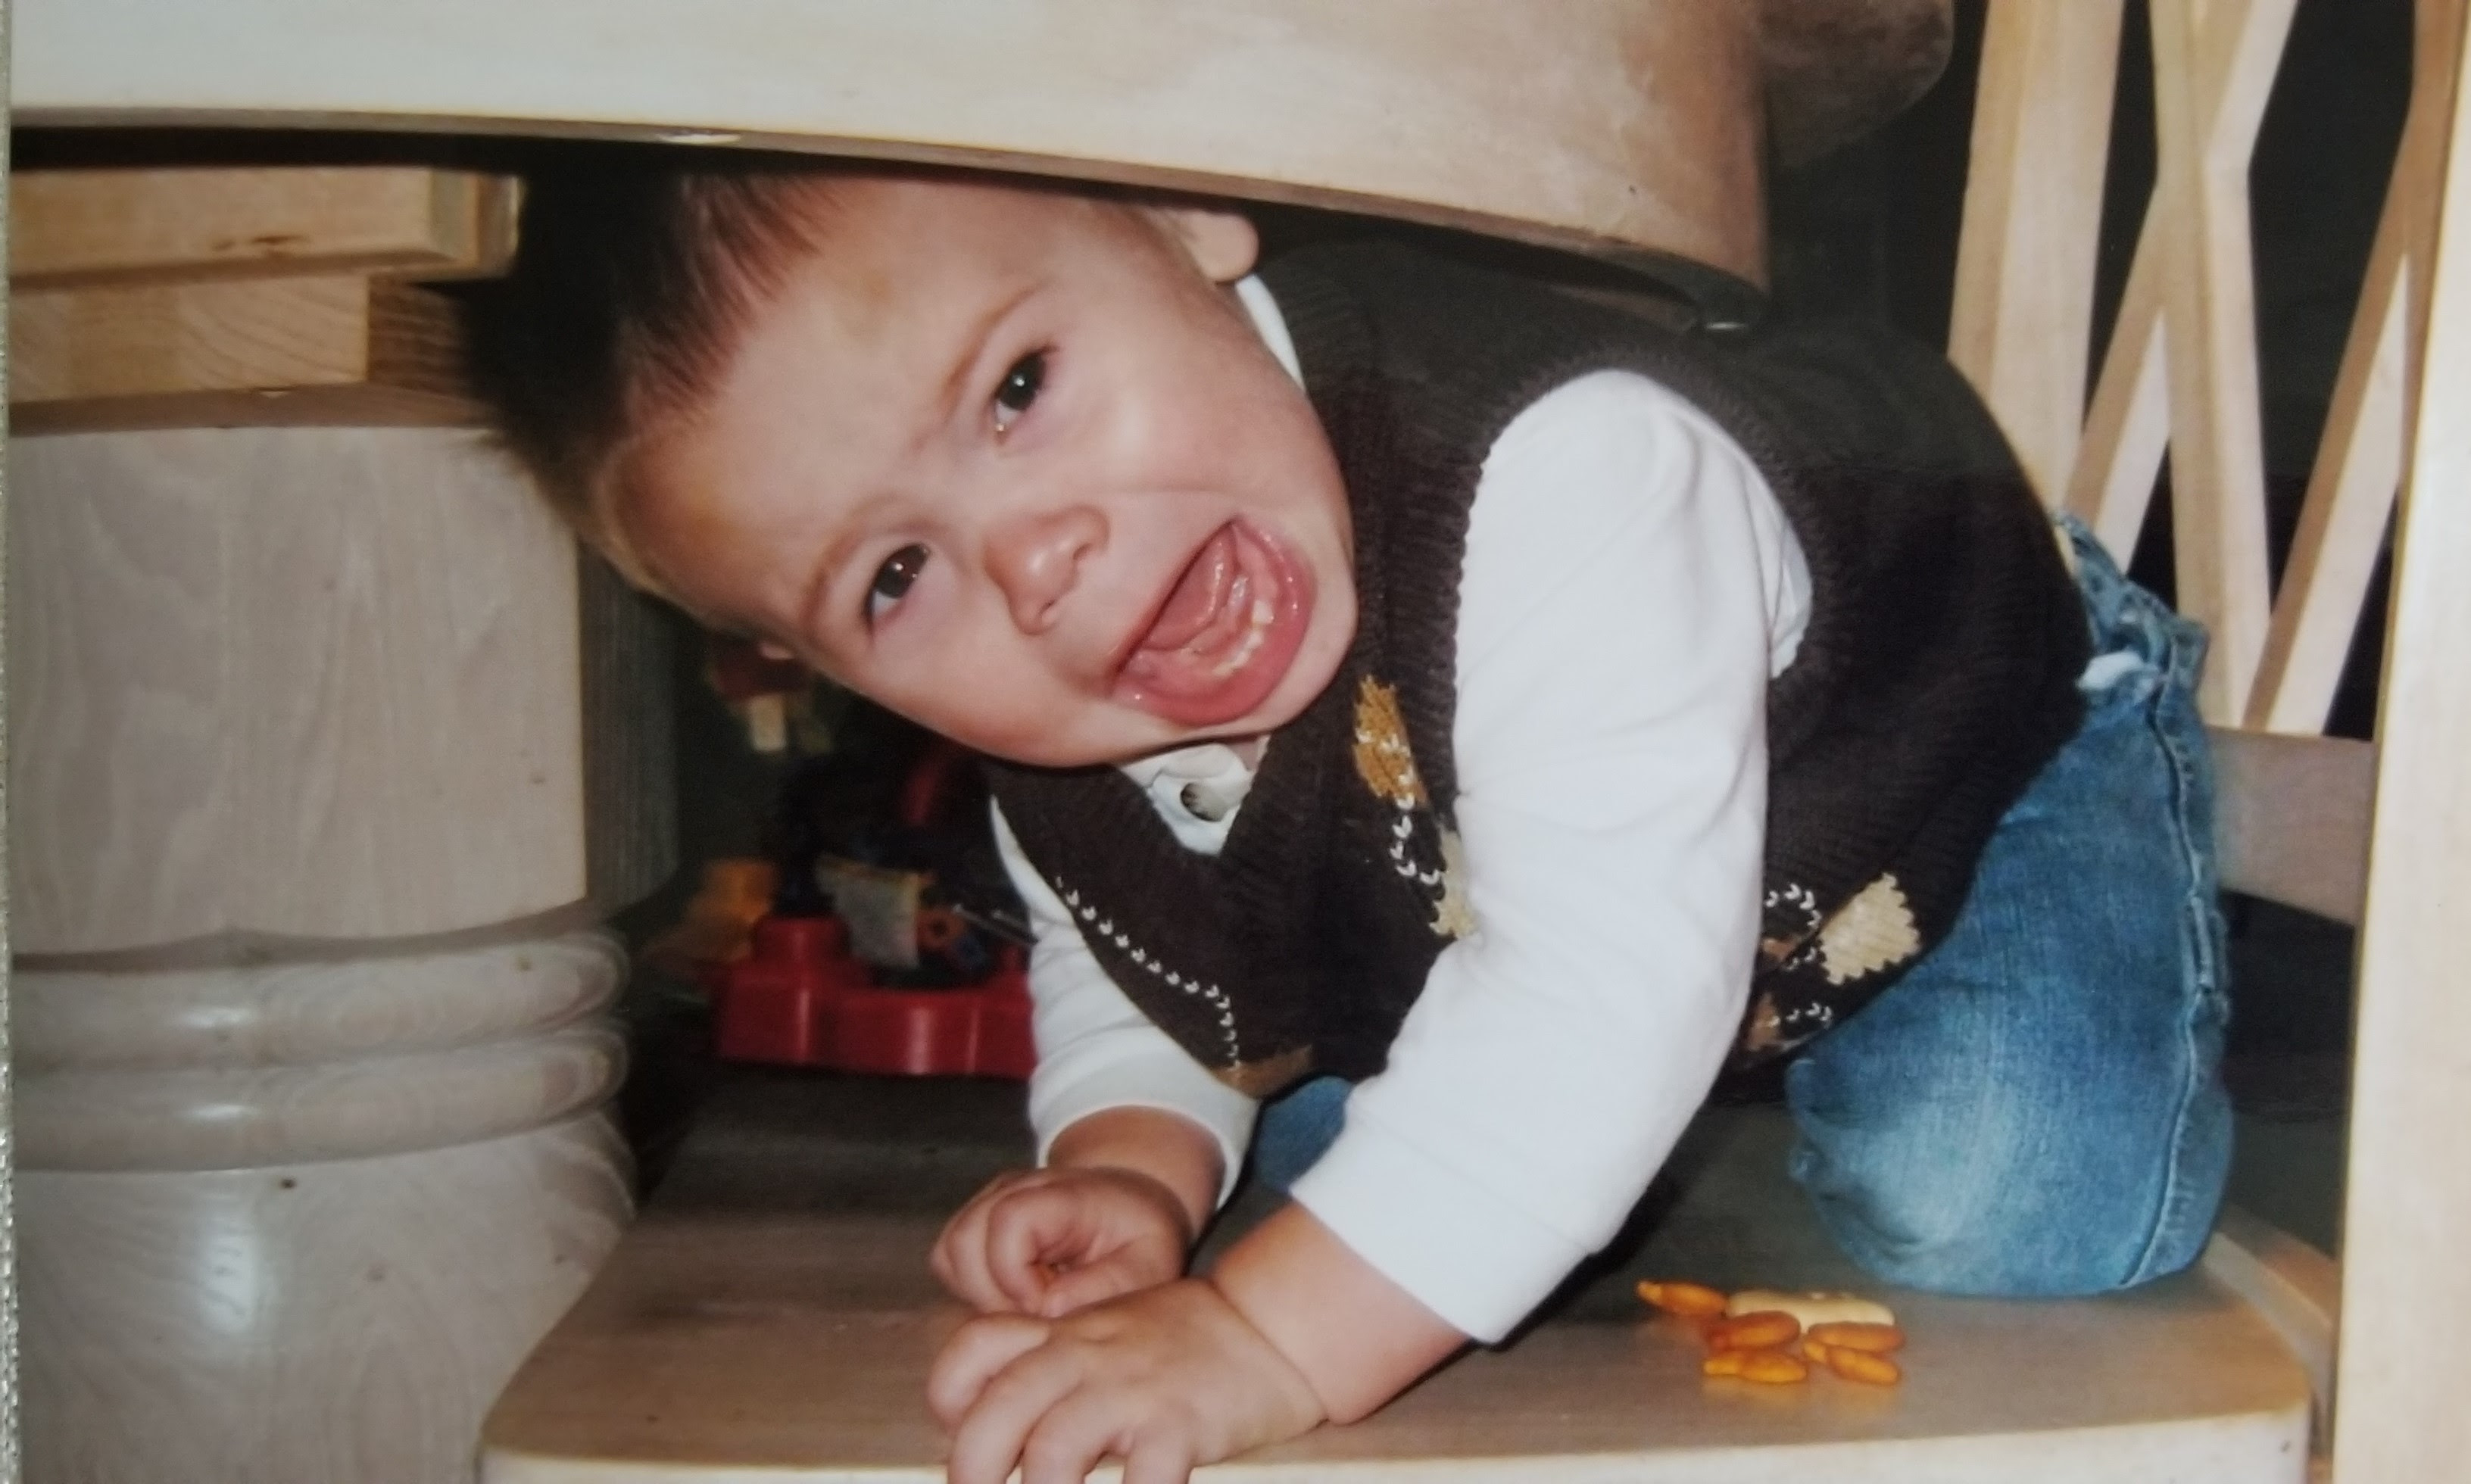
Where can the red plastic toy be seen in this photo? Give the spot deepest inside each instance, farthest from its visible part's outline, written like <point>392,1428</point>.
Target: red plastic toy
<point>800,999</point>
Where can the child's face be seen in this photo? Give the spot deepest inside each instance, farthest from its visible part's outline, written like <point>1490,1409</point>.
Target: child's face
<point>1015,465</point>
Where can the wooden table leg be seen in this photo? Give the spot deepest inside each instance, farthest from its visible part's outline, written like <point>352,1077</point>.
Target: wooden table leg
<point>311,1036</point>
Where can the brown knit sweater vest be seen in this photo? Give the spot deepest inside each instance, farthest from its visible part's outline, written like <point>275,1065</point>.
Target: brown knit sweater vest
<point>1935,676</point>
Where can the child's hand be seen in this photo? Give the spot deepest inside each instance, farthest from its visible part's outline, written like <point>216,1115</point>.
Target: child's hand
<point>1168,1378</point>
<point>1048,1242</point>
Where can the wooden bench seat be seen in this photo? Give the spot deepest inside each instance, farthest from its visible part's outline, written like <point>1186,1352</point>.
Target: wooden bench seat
<point>770,1317</point>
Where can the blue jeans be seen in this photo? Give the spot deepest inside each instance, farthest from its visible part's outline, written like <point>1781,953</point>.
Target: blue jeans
<point>2036,1107</point>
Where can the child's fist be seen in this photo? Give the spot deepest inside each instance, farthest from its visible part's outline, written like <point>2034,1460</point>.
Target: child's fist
<point>1168,1380</point>
<point>1050,1241</point>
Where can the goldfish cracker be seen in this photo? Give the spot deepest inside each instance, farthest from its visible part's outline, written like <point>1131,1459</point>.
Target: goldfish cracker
<point>1772,1368</point>
<point>1810,1309</point>
<point>1861,1365</point>
<point>1769,1331</point>
<point>1772,1337</point>
<point>1691,1301</point>
<point>1877,1339</point>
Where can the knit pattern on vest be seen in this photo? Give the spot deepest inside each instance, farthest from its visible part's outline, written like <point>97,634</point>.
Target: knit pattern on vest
<point>1935,676</point>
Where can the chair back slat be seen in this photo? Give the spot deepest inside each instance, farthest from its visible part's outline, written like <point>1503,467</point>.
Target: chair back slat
<point>2360,456</point>
<point>2180,378</point>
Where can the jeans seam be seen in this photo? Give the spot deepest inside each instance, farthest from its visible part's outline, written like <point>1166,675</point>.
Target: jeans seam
<point>2198,943</point>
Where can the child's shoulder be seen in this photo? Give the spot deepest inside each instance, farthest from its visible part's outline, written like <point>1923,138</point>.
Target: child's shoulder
<point>1455,332</point>
<point>1388,273</point>
<point>1446,332</point>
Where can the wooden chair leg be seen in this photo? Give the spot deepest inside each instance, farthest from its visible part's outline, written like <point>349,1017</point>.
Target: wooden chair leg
<point>2405,1288</point>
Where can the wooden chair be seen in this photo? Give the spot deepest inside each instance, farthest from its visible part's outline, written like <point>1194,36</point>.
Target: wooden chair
<point>2181,374</point>
<point>684,1361</point>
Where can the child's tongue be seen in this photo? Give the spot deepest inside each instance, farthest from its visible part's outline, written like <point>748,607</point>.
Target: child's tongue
<point>1198,595</point>
<point>1224,636</point>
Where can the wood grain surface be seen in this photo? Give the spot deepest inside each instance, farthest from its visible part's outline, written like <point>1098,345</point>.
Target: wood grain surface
<point>319,682</point>
<point>2021,323</point>
<point>2351,490</point>
<point>772,1316</point>
<point>2406,1291</point>
<point>80,227</point>
<point>1633,130</point>
<point>300,1323</point>
<point>2291,818</point>
<point>281,350</point>
<point>2214,65</point>
<point>329,1058</point>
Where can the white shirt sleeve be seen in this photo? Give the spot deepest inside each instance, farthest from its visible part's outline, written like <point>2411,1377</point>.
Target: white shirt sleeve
<point>1630,586</point>
<point>1095,1049</point>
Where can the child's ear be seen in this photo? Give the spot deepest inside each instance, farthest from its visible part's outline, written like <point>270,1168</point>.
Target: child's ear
<point>1222,244</point>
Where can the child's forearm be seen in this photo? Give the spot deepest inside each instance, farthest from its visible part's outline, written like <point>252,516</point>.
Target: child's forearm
<point>1179,1154</point>
<point>1358,1338</point>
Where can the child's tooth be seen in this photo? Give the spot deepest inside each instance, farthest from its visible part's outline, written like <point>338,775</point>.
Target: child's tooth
<point>1251,641</point>
<point>1257,625</point>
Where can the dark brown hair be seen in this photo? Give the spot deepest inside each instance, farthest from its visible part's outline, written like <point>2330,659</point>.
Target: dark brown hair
<point>636,272</point>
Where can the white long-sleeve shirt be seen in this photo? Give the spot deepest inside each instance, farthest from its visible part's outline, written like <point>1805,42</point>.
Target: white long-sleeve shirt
<point>1629,587</point>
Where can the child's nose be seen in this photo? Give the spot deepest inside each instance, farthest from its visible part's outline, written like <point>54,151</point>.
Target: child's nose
<point>1036,558</point>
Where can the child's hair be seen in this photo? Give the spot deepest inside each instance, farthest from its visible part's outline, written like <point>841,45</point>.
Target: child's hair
<point>633,280</point>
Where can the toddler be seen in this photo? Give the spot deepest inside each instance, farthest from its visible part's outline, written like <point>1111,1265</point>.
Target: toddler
<point>1440,720</point>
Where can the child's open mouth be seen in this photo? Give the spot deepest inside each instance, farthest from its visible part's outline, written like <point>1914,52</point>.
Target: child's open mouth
<point>1223,638</point>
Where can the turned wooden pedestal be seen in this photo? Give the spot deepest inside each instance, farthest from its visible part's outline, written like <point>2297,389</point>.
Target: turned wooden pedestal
<point>310,1016</point>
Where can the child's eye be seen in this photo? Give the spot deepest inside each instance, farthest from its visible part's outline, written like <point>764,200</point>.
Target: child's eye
<point>892,581</point>
<point>1020,388</point>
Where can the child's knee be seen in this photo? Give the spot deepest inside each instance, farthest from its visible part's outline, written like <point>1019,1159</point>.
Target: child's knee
<point>1297,1129</point>
<point>1991,1195</point>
